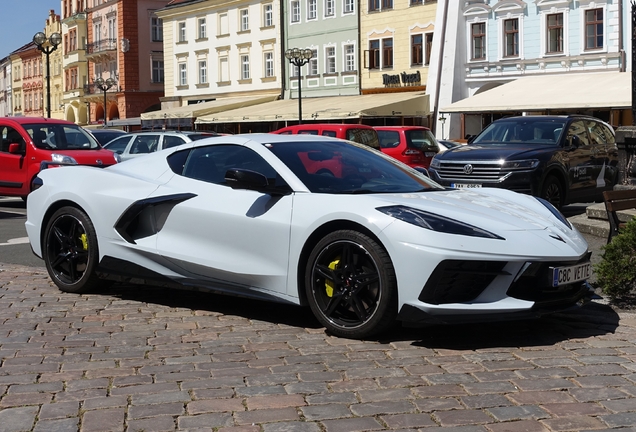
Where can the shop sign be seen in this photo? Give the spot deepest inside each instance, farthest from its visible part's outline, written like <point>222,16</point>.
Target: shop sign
<point>402,79</point>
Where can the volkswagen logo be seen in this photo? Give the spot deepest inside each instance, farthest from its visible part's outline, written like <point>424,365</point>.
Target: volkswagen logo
<point>100,163</point>
<point>468,169</point>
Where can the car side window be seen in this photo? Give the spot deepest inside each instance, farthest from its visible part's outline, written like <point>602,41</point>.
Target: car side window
<point>118,145</point>
<point>172,141</point>
<point>389,139</point>
<point>329,133</point>
<point>210,163</point>
<point>144,144</point>
<point>599,133</point>
<point>578,129</point>
<point>308,132</point>
<point>10,136</point>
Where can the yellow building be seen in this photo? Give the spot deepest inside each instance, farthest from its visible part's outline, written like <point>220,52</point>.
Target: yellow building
<point>53,25</point>
<point>396,38</point>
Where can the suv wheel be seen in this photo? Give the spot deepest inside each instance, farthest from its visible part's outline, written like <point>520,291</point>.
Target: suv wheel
<point>553,191</point>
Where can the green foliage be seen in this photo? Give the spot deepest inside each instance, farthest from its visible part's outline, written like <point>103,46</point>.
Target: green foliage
<point>616,272</point>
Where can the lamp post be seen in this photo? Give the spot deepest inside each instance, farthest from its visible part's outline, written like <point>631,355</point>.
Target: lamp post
<point>299,57</point>
<point>104,85</point>
<point>442,120</point>
<point>47,46</point>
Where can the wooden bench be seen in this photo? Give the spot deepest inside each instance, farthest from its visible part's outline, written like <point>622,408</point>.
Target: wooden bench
<point>615,201</point>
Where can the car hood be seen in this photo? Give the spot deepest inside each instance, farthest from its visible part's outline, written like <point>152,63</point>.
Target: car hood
<point>476,152</point>
<point>493,209</point>
<point>89,157</point>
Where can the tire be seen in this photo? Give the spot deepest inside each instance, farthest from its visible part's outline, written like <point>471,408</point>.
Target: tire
<point>553,192</point>
<point>351,286</point>
<point>70,251</point>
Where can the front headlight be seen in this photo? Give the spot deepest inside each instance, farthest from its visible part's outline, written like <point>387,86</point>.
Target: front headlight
<point>60,158</point>
<point>117,157</point>
<point>435,163</point>
<point>520,165</point>
<point>435,222</point>
<point>555,212</point>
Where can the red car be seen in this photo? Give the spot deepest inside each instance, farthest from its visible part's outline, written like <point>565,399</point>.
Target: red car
<point>28,141</point>
<point>413,145</point>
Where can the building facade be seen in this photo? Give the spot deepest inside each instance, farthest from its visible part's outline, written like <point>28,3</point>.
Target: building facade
<point>329,28</point>
<point>124,44</point>
<point>493,42</point>
<point>75,66</point>
<point>55,68</point>
<point>6,94</point>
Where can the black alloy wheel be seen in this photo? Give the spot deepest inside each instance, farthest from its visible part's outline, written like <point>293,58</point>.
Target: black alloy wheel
<point>70,251</point>
<point>351,285</point>
<point>553,192</point>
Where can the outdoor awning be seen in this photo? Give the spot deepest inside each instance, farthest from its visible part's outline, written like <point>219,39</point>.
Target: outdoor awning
<point>196,110</point>
<point>406,104</point>
<point>552,92</point>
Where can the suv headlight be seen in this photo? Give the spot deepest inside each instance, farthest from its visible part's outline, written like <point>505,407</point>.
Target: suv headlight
<point>434,163</point>
<point>520,165</point>
<point>60,158</point>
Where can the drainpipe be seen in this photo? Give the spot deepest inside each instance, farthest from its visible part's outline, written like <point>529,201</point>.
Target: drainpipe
<point>621,46</point>
<point>440,62</point>
<point>360,63</point>
<point>283,68</point>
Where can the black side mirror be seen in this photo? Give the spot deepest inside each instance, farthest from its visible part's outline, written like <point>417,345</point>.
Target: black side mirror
<point>238,178</point>
<point>470,138</point>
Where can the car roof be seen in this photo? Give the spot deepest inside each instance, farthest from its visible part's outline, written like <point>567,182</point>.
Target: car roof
<point>32,120</point>
<point>400,128</point>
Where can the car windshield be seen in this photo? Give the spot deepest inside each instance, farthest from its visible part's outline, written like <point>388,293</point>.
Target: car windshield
<point>48,136</point>
<point>522,131</point>
<point>340,167</point>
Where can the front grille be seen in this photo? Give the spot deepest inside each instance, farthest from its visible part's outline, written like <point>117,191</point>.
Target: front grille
<point>460,281</point>
<point>473,171</point>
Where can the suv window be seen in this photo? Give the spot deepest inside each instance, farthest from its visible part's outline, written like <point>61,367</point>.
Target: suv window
<point>520,130</point>
<point>600,133</point>
<point>364,136</point>
<point>421,140</point>
<point>144,144</point>
<point>389,139</point>
<point>577,128</point>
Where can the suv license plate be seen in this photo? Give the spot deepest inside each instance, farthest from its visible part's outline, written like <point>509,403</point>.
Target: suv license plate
<point>465,185</point>
<point>571,274</point>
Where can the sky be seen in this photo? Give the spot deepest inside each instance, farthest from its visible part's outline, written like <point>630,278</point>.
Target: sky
<point>22,19</point>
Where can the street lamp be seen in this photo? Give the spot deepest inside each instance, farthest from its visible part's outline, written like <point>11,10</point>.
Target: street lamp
<point>51,43</point>
<point>299,57</point>
<point>104,85</point>
<point>442,120</point>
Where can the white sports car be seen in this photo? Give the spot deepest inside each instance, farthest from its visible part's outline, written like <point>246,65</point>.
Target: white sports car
<point>359,237</point>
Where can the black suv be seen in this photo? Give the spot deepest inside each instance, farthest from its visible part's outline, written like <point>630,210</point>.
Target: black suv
<point>563,159</point>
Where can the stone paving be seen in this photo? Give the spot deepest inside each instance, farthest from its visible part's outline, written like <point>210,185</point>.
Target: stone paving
<point>149,359</point>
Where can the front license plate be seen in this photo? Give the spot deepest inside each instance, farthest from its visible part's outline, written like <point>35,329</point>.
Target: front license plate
<point>571,274</point>
<point>465,185</point>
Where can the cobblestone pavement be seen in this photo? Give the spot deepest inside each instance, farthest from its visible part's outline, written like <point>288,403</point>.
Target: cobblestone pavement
<point>149,359</point>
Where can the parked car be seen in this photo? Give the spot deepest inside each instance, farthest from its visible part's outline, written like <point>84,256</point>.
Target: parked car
<point>136,144</point>
<point>413,145</point>
<point>104,136</point>
<point>29,141</point>
<point>244,215</point>
<point>563,159</point>
<point>359,133</point>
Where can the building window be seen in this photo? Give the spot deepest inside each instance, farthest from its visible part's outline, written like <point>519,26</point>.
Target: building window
<point>312,7</point>
<point>387,4</point>
<point>478,41</point>
<point>182,32</point>
<point>387,53</point>
<point>245,19</point>
<point>157,71</point>
<point>203,72</point>
<point>245,67</point>
<point>348,6</point>
<point>374,54</point>
<point>223,24</point>
<point>593,29</point>
<point>269,64</point>
<point>295,11</point>
<point>202,28</point>
<point>313,63</point>
<point>330,60</point>
<point>416,2</point>
<point>350,58</point>
<point>428,45</point>
<point>511,37</point>
<point>156,28</point>
<point>330,8</point>
<point>268,15</point>
<point>554,26</point>
<point>183,74</point>
<point>417,50</point>
<point>374,5</point>
<point>224,69</point>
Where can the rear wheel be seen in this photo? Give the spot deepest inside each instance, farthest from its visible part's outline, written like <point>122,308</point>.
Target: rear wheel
<point>351,285</point>
<point>553,192</point>
<point>70,251</point>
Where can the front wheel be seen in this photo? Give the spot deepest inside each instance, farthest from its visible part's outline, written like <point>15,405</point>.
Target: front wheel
<point>351,285</point>
<point>553,192</point>
<point>70,251</point>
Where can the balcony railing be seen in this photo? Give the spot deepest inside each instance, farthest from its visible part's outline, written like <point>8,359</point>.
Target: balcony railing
<point>101,46</point>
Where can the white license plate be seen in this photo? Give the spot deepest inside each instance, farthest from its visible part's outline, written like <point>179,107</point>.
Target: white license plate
<point>465,185</point>
<point>429,154</point>
<point>571,274</point>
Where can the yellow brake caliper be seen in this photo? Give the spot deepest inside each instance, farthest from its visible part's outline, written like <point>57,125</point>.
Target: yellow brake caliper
<point>84,240</point>
<point>329,285</point>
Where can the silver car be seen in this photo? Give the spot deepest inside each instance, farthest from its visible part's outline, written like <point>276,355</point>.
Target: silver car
<point>136,144</point>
